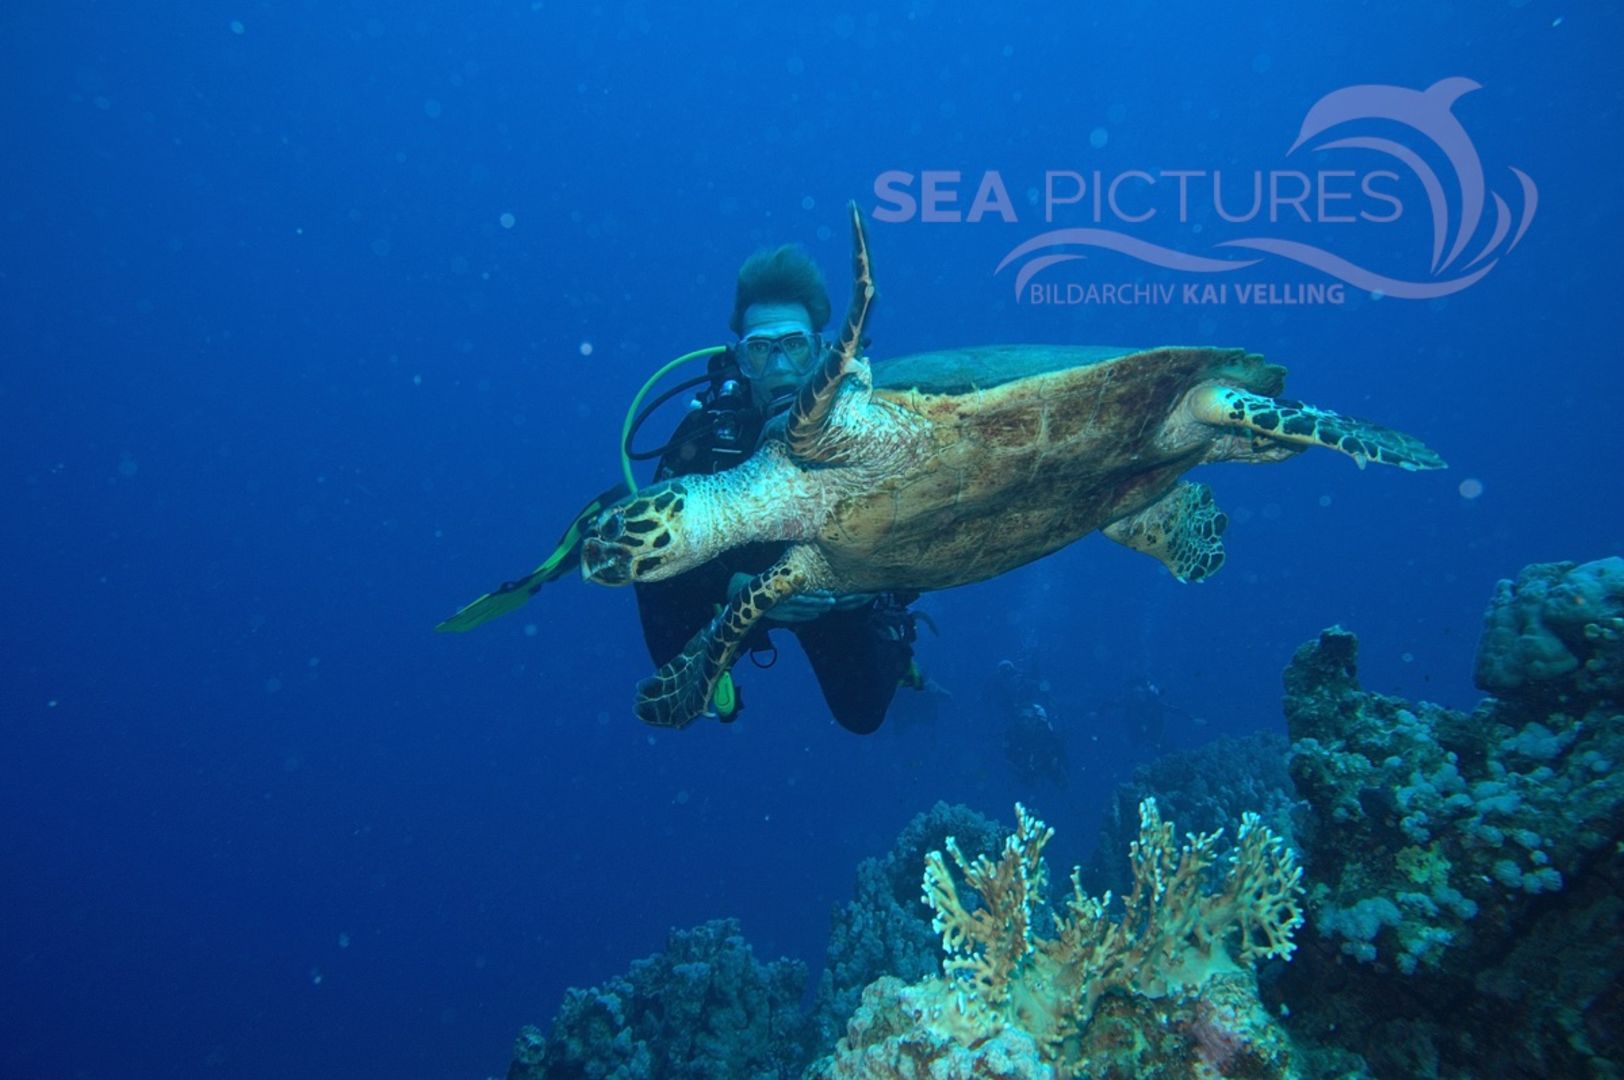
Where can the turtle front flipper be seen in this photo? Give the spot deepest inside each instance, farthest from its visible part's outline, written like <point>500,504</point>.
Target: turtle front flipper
<point>1183,530</point>
<point>1306,425</point>
<point>808,431</point>
<point>643,537</point>
<point>681,690</point>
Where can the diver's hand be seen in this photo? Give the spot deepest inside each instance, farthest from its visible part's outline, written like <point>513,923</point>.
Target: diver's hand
<point>804,607</point>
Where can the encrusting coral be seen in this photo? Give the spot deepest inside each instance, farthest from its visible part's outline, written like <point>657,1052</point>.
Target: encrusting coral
<point>1166,989</point>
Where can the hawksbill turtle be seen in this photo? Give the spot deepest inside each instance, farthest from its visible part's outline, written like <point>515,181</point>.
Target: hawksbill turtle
<point>948,468</point>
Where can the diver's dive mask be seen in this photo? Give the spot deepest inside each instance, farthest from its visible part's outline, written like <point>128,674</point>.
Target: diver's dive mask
<point>793,352</point>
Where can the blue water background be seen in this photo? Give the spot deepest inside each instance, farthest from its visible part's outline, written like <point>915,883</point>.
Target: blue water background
<point>280,389</point>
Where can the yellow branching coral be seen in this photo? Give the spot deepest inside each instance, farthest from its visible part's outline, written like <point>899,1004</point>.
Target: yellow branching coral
<point>988,946</point>
<point>1174,935</point>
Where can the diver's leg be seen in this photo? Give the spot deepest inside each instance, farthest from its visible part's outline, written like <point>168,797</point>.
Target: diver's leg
<point>859,658</point>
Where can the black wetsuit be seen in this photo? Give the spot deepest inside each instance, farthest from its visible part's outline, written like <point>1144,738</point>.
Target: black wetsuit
<point>859,656</point>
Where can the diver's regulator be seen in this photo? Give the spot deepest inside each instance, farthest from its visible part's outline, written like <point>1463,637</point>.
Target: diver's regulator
<point>722,414</point>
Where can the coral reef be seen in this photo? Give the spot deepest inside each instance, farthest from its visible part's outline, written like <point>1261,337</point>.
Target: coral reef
<point>885,929</point>
<point>703,1008</point>
<point>1466,869</point>
<point>1464,895</point>
<point>1165,990</point>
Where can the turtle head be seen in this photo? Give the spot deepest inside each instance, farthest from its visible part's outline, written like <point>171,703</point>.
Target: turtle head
<point>640,538</point>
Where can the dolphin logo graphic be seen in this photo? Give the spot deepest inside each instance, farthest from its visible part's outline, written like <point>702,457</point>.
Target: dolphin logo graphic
<point>1429,112</point>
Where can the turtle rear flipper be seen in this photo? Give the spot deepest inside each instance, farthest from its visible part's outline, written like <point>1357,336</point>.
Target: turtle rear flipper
<point>1182,529</point>
<point>680,692</point>
<point>1307,425</point>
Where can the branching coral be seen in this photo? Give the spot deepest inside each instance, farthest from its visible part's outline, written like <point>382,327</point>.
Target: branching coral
<point>988,947</point>
<point>1175,934</point>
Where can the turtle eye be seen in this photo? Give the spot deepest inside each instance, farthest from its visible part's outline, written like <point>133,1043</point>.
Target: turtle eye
<point>613,525</point>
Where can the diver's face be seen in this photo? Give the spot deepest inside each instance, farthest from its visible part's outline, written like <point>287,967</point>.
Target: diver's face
<point>777,348</point>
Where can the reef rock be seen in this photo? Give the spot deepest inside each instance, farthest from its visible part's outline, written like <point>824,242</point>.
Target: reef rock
<point>1465,870</point>
<point>1557,631</point>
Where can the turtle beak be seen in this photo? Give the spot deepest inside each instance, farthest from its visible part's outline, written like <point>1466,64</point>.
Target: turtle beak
<point>605,563</point>
<point>603,559</point>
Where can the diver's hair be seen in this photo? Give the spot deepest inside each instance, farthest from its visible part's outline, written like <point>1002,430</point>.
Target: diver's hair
<point>785,275</point>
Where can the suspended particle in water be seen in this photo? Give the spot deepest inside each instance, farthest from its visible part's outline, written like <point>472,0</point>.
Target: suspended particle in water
<point>1471,487</point>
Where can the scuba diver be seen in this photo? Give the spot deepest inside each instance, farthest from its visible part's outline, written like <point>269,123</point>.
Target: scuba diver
<point>1144,712</point>
<point>1033,745</point>
<point>860,646</point>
